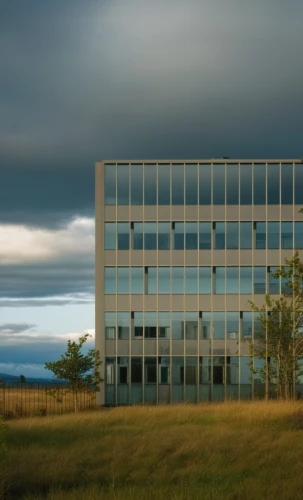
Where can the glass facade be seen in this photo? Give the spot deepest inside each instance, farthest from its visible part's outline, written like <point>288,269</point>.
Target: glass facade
<point>185,247</point>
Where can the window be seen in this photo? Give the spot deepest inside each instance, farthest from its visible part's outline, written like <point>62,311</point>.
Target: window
<point>136,370</point>
<point>164,235</point>
<point>163,280</point>
<point>150,235</point>
<point>273,235</point>
<point>179,236</point>
<point>122,370</point>
<point>205,275</point>
<point>150,370</point>
<point>245,280</point>
<point>260,235</point>
<point>274,283</point>
<point>286,235</point>
<point>220,280</point>
<point>150,325</point>
<point>110,235</point>
<point>164,184</point>
<point>287,184</point>
<point>259,184</point>
<point>247,324</point>
<point>232,184</point>
<point>110,280</point>
<point>232,235</point>
<point>123,235</point>
<point>204,184</point>
<point>232,280</point>
<point>259,280</point>
<point>110,184</point>
<point>191,235</point>
<point>273,184</point>
<point>245,235</point>
<point>136,184</point>
<point>191,325</point>
<point>177,195</point>
<point>191,184</point>
<point>152,280</point>
<point>123,184</point>
<point>218,184</point>
<point>298,184</point>
<point>150,184</point>
<point>110,370</point>
<point>232,325</point>
<point>204,235</point>
<point>245,184</point>
<point>177,280</point>
<point>191,280</point>
<point>110,325</point>
<point>205,325</point>
<point>164,370</point>
<point>188,372</point>
<point>138,236</point>
<point>138,325</point>
<point>177,325</point>
<point>123,280</point>
<point>164,325</point>
<point>299,233</point>
<point>123,319</point>
<point>219,325</point>
<point>136,280</point>
<point>220,235</point>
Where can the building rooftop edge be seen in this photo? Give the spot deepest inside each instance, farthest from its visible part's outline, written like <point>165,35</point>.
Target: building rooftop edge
<point>207,160</point>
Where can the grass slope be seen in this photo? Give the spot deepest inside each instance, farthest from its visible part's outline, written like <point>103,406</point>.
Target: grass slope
<point>216,451</point>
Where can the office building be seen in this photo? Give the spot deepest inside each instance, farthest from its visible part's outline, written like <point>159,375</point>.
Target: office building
<point>181,248</point>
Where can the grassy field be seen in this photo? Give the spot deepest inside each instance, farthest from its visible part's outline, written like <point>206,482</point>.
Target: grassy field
<point>214,451</point>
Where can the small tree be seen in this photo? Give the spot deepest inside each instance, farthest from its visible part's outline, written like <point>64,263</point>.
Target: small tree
<point>80,371</point>
<point>22,379</point>
<point>280,341</point>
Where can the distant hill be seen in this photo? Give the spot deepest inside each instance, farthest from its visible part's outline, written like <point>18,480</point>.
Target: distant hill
<point>11,378</point>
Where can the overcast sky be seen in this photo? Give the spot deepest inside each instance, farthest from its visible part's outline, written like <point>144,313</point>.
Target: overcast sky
<point>82,81</point>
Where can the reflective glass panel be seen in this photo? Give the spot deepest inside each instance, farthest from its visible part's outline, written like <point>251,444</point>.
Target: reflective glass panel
<point>191,235</point>
<point>191,280</point>
<point>259,184</point>
<point>191,184</point>
<point>287,184</point>
<point>191,325</point>
<point>260,235</point>
<point>218,184</point>
<point>218,325</point>
<point>164,184</point>
<point>299,234</point>
<point>177,325</point>
<point>232,235</point>
<point>259,279</point>
<point>150,235</point>
<point>286,235</point>
<point>273,235</point>
<point>164,325</point>
<point>150,184</point>
<point>205,235</point>
<point>110,280</point>
<point>274,283</point>
<point>298,184</point>
<point>150,325</point>
<point>220,279</point>
<point>245,184</point>
<point>204,184</point>
<point>123,325</point>
<point>136,280</point>
<point>136,370</point>
<point>123,184</point>
<point>123,235</point>
<point>245,235</point>
<point>138,325</point>
<point>247,325</point>
<point>110,235</point>
<point>177,280</point>
<point>205,325</point>
<point>232,279</point>
<point>232,184</point>
<point>205,275</point>
<point>177,195</point>
<point>273,184</point>
<point>110,184</point>
<point>163,280</point>
<point>164,235</point>
<point>232,325</point>
<point>110,325</point>
<point>258,329</point>
<point>136,184</point>
<point>152,280</point>
<point>123,274</point>
<point>220,235</point>
<point>245,280</point>
<point>138,236</point>
<point>179,236</point>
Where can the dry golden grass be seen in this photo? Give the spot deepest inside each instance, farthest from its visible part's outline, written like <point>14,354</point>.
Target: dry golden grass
<point>25,400</point>
<point>251,450</point>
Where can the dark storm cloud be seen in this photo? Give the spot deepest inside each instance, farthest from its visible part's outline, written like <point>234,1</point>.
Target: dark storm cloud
<point>85,81</point>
